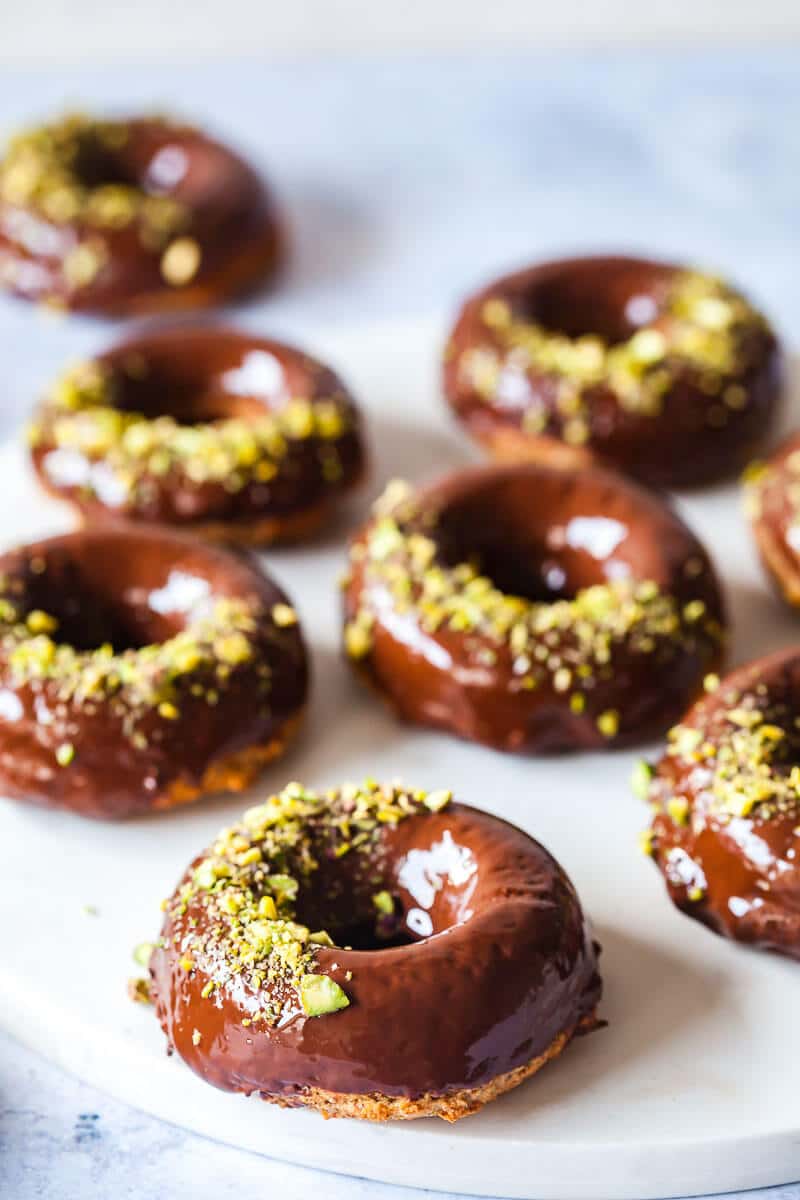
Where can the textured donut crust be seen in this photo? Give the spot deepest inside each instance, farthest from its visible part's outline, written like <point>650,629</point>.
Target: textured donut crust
<point>778,564</point>
<point>452,1106</point>
<point>233,773</point>
<point>507,444</point>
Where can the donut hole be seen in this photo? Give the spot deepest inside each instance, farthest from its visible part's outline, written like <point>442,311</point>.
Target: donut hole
<point>126,590</point>
<point>504,534</point>
<point>406,893</point>
<point>97,165</point>
<point>605,298</point>
<point>346,909</point>
<point>204,376</point>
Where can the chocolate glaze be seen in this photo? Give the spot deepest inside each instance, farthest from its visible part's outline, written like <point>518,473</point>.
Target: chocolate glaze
<point>203,374</point>
<point>609,297</point>
<point>233,219</point>
<point>136,588</point>
<point>530,526</point>
<point>747,867</point>
<point>509,965</point>
<point>775,514</point>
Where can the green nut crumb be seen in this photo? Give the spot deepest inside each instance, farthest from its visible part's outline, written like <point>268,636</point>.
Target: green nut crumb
<point>142,953</point>
<point>321,995</point>
<point>608,723</point>
<point>384,902</point>
<point>357,640</point>
<point>647,842</point>
<point>41,622</point>
<point>678,810</point>
<point>65,753</point>
<point>641,778</point>
<point>284,615</point>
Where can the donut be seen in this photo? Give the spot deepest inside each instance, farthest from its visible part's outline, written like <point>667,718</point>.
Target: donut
<point>725,797</point>
<point>662,372</point>
<point>532,608</point>
<point>772,502</point>
<point>124,217</point>
<point>373,952</point>
<point>140,669</point>
<point>225,435</point>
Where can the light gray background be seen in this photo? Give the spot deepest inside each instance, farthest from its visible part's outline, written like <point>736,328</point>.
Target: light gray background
<point>407,181</point>
<point>82,30</point>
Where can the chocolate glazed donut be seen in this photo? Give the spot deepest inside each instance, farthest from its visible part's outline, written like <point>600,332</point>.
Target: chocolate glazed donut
<point>667,374</point>
<point>772,502</point>
<point>139,669</point>
<point>468,963</point>
<point>531,608</point>
<point>726,803</point>
<point>127,217</point>
<point>228,436</point>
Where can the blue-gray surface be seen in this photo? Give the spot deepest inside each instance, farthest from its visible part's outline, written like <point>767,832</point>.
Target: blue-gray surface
<point>406,183</point>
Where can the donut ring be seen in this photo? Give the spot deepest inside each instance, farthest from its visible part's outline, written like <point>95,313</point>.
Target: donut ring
<point>468,963</point>
<point>531,608</point>
<point>140,669</point>
<point>726,800</point>
<point>227,436</point>
<point>666,374</point>
<point>772,502</point>
<point>129,217</point>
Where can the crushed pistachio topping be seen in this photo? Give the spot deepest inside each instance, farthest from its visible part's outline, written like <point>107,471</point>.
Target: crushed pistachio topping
<point>196,663</point>
<point>568,645</point>
<point>142,454</point>
<point>180,261</point>
<point>139,991</point>
<point>641,778</point>
<point>50,170</point>
<point>704,331</point>
<point>235,918</point>
<point>748,765</point>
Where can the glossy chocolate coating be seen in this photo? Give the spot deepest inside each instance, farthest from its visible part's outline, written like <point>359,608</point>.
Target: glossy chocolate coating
<point>137,588</point>
<point>746,867</point>
<point>545,534</point>
<point>232,218</point>
<point>609,297</point>
<point>775,514</point>
<point>500,962</point>
<point>198,374</point>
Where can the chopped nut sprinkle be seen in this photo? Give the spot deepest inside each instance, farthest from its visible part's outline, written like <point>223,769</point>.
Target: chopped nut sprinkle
<point>704,331</point>
<point>144,454</point>
<point>748,763</point>
<point>198,661</point>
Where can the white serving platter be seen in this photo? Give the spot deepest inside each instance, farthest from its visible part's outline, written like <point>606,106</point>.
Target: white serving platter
<point>690,1089</point>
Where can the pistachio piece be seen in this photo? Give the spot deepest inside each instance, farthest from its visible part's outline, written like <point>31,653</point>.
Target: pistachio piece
<point>319,995</point>
<point>142,952</point>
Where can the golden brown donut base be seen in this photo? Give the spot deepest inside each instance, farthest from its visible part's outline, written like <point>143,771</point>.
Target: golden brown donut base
<point>233,773</point>
<point>780,566</point>
<point>508,444</point>
<point>375,1106</point>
